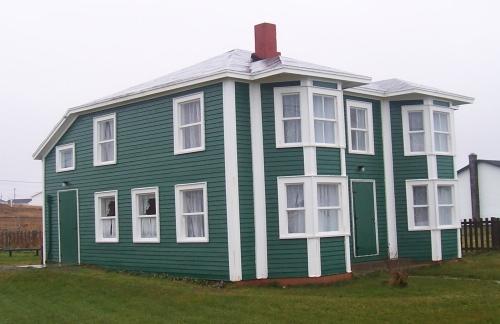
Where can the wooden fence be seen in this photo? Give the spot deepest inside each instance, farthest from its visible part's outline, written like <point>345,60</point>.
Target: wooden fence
<point>20,240</point>
<point>482,234</point>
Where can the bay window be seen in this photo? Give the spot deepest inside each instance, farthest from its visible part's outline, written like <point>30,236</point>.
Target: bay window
<point>325,119</point>
<point>431,204</point>
<point>313,206</point>
<point>441,131</point>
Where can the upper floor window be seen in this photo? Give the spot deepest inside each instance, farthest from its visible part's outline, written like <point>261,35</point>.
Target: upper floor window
<point>145,215</point>
<point>189,124</point>
<point>431,204</point>
<point>307,115</point>
<point>325,119</point>
<point>191,209</point>
<point>105,140</point>
<point>312,206</point>
<point>427,129</point>
<point>360,127</point>
<point>65,157</point>
<point>106,216</point>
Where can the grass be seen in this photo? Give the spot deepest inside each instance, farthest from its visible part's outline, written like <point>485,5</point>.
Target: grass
<point>19,258</point>
<point>91,295</point>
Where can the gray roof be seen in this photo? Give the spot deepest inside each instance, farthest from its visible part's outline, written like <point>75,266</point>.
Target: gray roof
<point>236,61</point>
<point>394,87</point>
<point>495,163</point>
<point>20,201</point>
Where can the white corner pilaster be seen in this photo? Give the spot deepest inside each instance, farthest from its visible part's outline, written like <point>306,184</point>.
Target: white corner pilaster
<point>44,208</point>
<point>314,256</point>
<point>392,235</point>
<point>459,243</point>
<point>231,171</point>
<point>259,188</point>
<point>437,254</point>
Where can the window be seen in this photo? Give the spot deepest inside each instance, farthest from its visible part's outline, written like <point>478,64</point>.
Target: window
<point>329,207</point>
<point>191,209</point>
<point>312,206</point>
<point>65,157</point>
<point>428,130</point>
<point>189,124</point>
<point>441,131</point>
<point>360,127</point>
<point>445,205</point>
<point>325,119</point>
<point>106,216</point>
<point>431,204</point>
<point>145,215</point>
<point>105,140</point>
<point>291,118</point>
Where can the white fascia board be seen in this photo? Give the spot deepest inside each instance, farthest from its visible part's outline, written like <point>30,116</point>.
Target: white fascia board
<point>62,125</point>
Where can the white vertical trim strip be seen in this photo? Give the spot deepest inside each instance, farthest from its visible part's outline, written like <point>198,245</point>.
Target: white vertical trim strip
<point>343,168</point>
<point>347,254</point>
<point>231,171</point>
<point>310,166</point>
<point>314,257</point>
<point>259,188</point>
<point>436,245</point>
<point>390,202</point>
<point>459,243</point>
<point>432,172</point>
<point>44,208</point>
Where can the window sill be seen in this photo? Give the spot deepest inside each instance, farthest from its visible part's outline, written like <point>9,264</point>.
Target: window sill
<point>191,150</point>
<point>193,240</point>
<point>65,170</point>
<point>361,152</point>
<point>318,235</point>
<point>107,241</point>
<point>104,163</point>
<point>141,241</point>
<point>419,228</point>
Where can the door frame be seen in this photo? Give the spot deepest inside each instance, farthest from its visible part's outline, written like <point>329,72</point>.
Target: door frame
<point>77,222</point>
<point>373,182</point>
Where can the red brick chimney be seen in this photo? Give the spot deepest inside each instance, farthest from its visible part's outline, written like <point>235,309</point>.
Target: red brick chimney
<point>265,42</point>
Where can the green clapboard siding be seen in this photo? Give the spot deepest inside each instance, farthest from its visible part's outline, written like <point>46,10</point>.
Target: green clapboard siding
<point>245,179</point>
<point>445,167</point>
<point>286,258</point>
<point>449,244</point>
<point>332,255</point>
<point>145,159</point>
<point>374,170</point>
<point>328,161</point>
<point>414,244</point>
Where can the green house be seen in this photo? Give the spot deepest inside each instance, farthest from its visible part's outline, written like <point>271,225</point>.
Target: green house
<point>253,166</point>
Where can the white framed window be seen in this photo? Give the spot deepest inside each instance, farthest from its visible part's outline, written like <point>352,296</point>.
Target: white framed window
<point>189,123</point>
<point>428,130</point>
<point>65,157</point>
<point>325,119</point>
<point>289,111</point>
<point>360,127</point>
<point>313,206</point>
<point>191,212</point>
<point>146,215</point>
<point>441,122</point>
<point>105,140</point>
<point>106,216</point>
<point>431,204</point>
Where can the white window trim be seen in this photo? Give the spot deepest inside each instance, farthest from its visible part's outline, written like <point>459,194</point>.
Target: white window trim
<point>432,201</point>
<point>97,206</point>
<point>339,114</point>
<point>306,94</point>
<point>135,227</point>
<point>369,120</point>
<point>58,157</point>
<point>180,228</point>
<point>176,115</point>
<point>96,146</point>
<point>278,114</point>
<point>428,115</point>
<point>310,184</point>
<point>451,130</point>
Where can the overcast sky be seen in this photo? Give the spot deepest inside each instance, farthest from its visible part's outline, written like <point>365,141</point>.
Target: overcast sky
<point>59,54</point>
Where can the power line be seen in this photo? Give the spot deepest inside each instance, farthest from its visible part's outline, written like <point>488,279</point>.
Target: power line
<point>19,181</point>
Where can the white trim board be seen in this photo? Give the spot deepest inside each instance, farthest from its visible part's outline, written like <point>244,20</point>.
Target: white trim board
<point>44,209</point>
<point>231,174</point>
<point>77,222</point>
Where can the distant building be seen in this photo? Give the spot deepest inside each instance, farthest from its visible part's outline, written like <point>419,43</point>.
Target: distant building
<point>485,202</point>
<point>36,199</point>
<point>19,202</point>
<point>3,202</point>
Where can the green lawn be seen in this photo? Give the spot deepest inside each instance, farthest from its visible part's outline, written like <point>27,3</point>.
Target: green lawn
<point>83,294</point>
<point>19,258</point>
